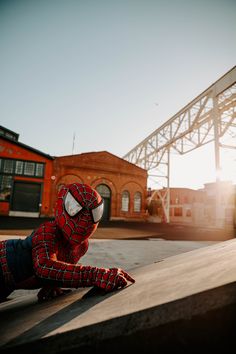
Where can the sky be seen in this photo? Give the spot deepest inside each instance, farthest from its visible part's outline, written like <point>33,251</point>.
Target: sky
<point>93,75</point>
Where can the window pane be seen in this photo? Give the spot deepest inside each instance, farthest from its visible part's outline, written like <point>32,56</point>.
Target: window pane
<point>103,190</point>
<point>125,201</point>
<point>39,170</point>
<point>137,202</point>
<point>19,167</point>
<point>188,212</point>
<point>178,211</point>
<point>29,168</point>
<point>8,166</point>
<point>5,187</point>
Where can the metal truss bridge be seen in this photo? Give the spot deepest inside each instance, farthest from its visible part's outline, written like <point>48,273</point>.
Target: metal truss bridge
<point>210,117</point>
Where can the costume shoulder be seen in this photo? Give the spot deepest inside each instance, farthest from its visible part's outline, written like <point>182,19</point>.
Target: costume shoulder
<point>46,232</point>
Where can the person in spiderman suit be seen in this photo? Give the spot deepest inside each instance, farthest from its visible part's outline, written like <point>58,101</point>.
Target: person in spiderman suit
<point>48,258</point>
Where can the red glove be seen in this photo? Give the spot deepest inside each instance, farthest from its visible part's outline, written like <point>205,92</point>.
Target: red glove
<point>106,279</point>
<point>111,279</point>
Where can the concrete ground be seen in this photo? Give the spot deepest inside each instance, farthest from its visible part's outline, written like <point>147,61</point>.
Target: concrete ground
<point>129,254</point>
<point>185,303</point>
<point>126,230</point>
<point>128,245</point>
<point>173,268</point>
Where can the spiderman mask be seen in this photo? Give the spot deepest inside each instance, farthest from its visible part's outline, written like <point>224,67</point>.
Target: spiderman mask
<point>79,209</point>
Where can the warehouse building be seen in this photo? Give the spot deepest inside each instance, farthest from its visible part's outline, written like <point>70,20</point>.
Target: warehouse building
<point>31,179</point>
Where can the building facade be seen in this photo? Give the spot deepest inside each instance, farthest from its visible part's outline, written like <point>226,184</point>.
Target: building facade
<point>25,178</point>
<point>185,205</point>
<point>30,180</point>
<point>197,207</point>
<point>223,194</point>
<point>121,184</point>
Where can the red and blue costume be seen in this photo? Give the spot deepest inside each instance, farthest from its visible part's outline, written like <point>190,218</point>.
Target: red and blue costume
<point>48,258</point>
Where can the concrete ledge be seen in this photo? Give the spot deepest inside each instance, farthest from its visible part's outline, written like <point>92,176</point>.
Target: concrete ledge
<point>188,300</point>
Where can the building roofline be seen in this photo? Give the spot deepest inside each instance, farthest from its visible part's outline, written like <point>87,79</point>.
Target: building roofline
<point>16,142</point>
<point>10,131</point>
<point>102,151</point>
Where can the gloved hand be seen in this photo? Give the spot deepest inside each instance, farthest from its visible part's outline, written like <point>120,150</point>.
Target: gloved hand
<point>111,279</point>
<point>50,292</point>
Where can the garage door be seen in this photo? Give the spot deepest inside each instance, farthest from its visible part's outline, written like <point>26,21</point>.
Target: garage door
<point>26,197</point>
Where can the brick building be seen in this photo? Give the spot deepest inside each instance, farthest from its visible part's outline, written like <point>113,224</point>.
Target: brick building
<point>226,214</point>
<point>197,207</point>
<point>30,180</point>
<point>186,205</point>
<point>25,178</point>
<point>121,184</point>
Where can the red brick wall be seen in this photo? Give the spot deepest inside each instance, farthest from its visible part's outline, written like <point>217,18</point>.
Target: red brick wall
<point>4,208</point>
<point>12,150</point>
<point>103,168</point>
<point>183,204</point>
<point>92,168</point>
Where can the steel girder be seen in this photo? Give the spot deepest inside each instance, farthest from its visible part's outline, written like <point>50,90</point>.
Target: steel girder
<point>210,117</point>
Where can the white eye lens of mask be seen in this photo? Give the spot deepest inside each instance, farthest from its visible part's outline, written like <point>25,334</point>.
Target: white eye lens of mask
<point>71,205</point>
<point>97,212</point>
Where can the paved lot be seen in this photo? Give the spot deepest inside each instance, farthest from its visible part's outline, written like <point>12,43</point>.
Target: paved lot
<point>126,230</point>
<point>126,254</point>
<point>127,245</point>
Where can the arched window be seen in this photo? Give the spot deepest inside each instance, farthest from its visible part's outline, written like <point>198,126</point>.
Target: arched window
<point>104,191</point>
<point>125,201</point>
<point>137,201</point>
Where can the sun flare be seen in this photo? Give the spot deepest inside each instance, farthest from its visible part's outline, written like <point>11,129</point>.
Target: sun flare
<point>227,170</point>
